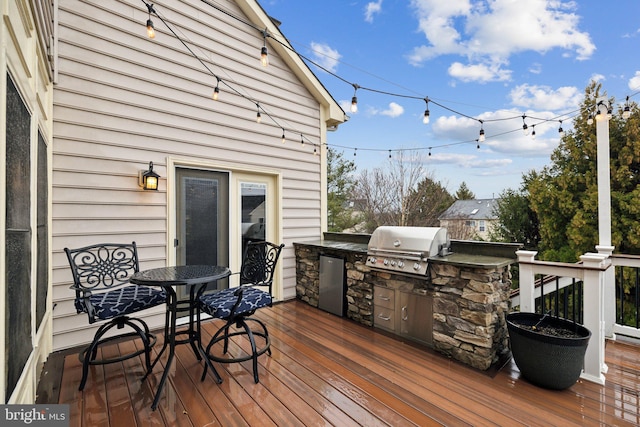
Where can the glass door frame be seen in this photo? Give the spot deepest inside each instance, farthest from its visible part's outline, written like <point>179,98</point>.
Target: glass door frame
<point>238,173</point>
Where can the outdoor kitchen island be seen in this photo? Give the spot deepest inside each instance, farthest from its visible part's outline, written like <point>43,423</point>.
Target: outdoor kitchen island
<point>465,297</point>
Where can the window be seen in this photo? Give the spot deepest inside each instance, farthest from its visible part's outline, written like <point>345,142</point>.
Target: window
<point>482,226</point>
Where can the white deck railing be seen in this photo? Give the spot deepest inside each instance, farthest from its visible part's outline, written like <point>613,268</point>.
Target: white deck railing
<point>592,270</point>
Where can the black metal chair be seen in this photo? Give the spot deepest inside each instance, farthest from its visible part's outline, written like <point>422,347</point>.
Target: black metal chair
<point>236,305</point>
<point>101,275</point>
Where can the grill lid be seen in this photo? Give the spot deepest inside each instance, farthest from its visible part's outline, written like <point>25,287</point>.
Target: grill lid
<point>406,249</point>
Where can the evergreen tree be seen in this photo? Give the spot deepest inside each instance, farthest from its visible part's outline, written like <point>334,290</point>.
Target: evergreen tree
<point>464,193</point>
<point>517,222</point>
<point>340,183</point>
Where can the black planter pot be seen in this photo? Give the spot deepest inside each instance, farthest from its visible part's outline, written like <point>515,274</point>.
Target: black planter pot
<point>548,361</point>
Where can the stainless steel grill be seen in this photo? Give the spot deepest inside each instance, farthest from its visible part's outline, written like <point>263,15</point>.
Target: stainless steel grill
<point>406,249</point>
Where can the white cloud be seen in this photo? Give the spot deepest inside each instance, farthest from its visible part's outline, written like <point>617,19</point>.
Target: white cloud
<point>325,56</point>
<point>544,97</point>
<point>479,72</point>
<point>371,9</point>
<point>394,110</point>
<point>597,77</point>
<point>490,32</point>
<point>634,82</point>
<point>535,68</point>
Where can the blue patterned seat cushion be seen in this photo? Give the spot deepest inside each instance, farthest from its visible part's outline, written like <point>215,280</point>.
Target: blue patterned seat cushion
<point>219,304</point>
<point>122,301</point>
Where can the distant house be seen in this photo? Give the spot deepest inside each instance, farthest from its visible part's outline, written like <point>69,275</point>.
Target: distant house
<point>469,219</point>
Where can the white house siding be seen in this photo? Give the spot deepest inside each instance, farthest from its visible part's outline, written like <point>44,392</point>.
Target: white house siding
<point>123,100</point>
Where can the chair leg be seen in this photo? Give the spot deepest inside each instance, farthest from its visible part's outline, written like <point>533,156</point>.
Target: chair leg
<point>254,354</point>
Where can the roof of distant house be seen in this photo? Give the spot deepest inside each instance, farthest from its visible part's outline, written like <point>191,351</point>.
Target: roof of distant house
<point>471,209</point>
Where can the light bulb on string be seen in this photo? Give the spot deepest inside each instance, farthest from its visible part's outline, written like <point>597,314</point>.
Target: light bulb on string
<point>389,153</point>
<point>258,115</point>
<point>425,117</point>
<point>264,53</point>
<point>429,151</point>
<point>216,90</point>
<point>283,137</point>
<point>560,130</point>
<point>590,119</point>
<point>354,99</point>
<point>315,151</point>
<point>355,151</point>
<point>481,137</point>
<point>151,31</point>
<point>477,144</point>
<point>533,131</point>
<point>525,128</point>
<point>626,112</point>
<point>301,140</point>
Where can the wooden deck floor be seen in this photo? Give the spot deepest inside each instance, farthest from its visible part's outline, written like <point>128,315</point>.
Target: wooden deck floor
<point>325,370</point>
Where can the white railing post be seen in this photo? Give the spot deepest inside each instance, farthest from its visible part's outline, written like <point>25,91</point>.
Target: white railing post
<point>595,266</point>
<point>526,259</point>
<point>609,293</point>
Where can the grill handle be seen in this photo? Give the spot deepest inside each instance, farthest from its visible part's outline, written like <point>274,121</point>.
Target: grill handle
<point>414,256</point>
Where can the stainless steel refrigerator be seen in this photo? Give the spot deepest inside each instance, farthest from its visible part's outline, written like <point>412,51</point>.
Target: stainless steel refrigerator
<point>332,292</point>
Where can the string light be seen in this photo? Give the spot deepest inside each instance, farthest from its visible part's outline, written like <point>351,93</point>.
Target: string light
<point>533,131</point>
<point>216,90</point>
<point>315,151</point>
<point>264,56</point>
<point>478,144</point>
<point>283,137</point>
<point>355,151</point>
<point>151,31</point>
<point>626,112</point>
<point>425,117</point>
<point>258,115</point>
<point>301,140</point>
<point>354,99</point>
<point>525,128</point>
<point>590,119</point>
<point>264,53</point>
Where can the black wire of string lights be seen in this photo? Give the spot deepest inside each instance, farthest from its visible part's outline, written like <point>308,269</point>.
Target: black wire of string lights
<point>216,92</point>
<point>481,138</point>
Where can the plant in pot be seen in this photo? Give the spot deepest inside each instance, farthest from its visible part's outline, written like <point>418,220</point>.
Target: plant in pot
<point>548,350</point>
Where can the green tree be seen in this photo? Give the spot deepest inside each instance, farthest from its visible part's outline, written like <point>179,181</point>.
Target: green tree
<point>340,184</point>
<point>564,195</point>
<point>429,199</point>
<point>464,193</point>
<point>517,222</point>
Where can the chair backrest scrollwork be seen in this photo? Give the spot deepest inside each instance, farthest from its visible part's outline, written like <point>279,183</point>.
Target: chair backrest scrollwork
<point>259,263</point>
<point>102,266</point>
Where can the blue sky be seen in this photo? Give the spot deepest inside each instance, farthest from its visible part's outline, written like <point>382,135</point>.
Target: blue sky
<point>484,59</point>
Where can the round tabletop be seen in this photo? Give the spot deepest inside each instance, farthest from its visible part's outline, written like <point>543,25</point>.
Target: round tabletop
<point>180,275</point>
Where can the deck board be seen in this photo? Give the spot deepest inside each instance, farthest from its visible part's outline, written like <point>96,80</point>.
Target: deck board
<point>327,370</point>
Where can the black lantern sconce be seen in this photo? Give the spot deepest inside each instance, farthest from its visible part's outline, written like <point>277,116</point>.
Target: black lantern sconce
<point>148,179</point>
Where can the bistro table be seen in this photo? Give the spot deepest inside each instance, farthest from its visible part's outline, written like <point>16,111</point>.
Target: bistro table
<point>193,277</point>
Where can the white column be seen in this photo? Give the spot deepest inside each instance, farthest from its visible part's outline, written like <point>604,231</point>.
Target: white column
<point>604,212</point>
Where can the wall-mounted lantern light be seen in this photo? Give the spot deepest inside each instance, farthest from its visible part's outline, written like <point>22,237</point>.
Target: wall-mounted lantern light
<point>148,179</point>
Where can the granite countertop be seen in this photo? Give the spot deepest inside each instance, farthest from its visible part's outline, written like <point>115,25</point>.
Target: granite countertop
<point>336,244</point>
<point>474,260</point>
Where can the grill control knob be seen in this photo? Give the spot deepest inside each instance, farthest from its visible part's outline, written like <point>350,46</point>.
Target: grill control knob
<point>372,260</point>
<point>416,266</point>
<point>400,264</point>
<point>386,262</point>
<point>393,263</point>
